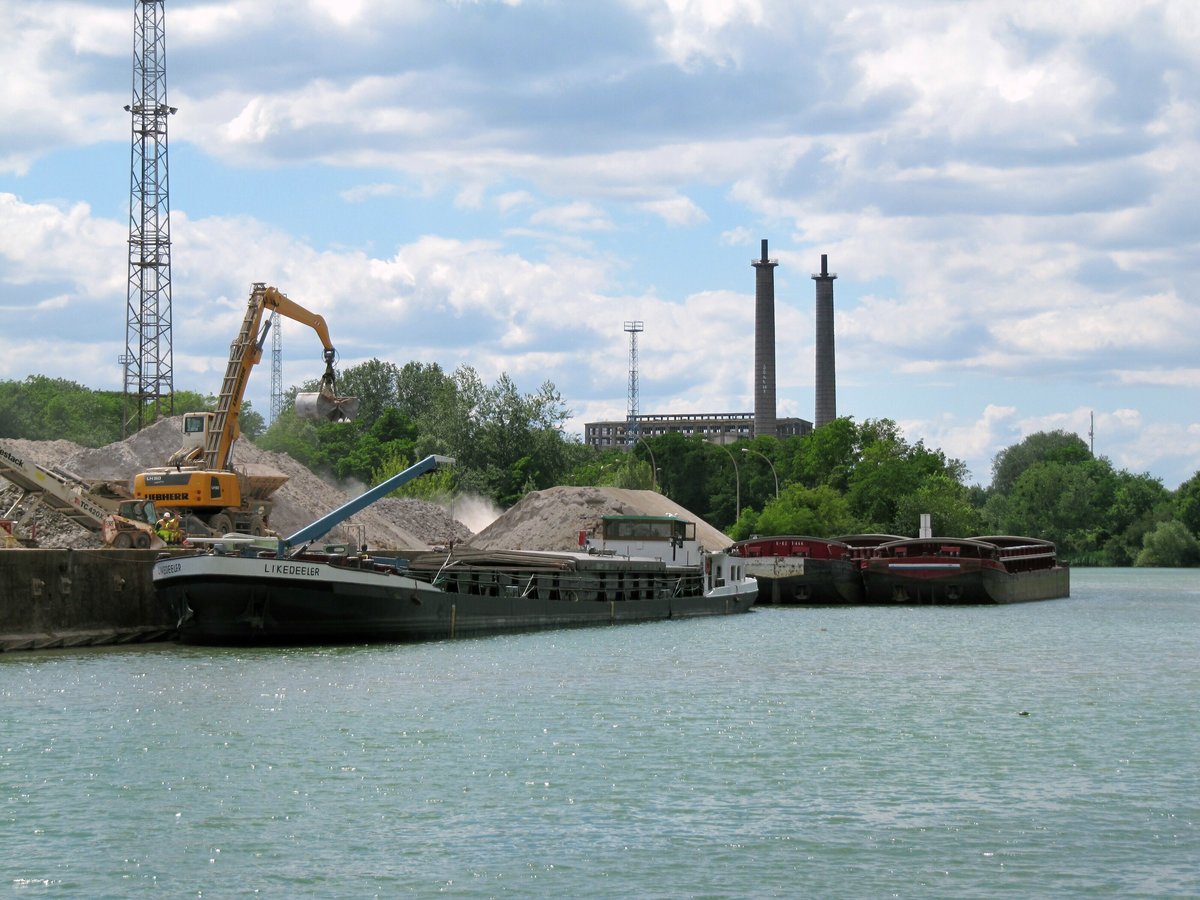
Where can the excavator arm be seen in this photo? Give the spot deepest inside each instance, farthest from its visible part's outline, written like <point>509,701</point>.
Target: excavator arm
<point>275,300</point>
<point>246,352</point>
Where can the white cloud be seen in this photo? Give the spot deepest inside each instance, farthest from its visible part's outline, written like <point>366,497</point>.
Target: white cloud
<point>676,210</point>
<point>1183,377</point>
<point>579,216</point>
<point>975,442</point>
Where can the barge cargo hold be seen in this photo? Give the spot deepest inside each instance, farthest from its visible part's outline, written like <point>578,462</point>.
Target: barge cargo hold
<point>980,570</point>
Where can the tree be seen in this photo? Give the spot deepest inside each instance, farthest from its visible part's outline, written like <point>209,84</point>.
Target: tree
<point>826,455</point>
<point>436,486</point>
<point>250,422</point>
<point>294,436</point>
<point>360,456</point>
<point>46,409</point>
<point>1042,446</point>
<point>889,470</point>
<point>422,389</point>
<point>374,383</point>
<point>819,511</point>
<point>1169,545</point>
<point>948,504</point>
<point>1187,504</point>
<point>1065,503</point>
<point>1139,503</point>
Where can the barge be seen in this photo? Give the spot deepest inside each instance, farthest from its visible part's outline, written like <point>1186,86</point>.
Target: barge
<point>256,591</point>
<point>797,569</point>
<point>979,570</point>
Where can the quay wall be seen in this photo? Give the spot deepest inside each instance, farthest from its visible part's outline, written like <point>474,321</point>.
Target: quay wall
<point>79,598</point>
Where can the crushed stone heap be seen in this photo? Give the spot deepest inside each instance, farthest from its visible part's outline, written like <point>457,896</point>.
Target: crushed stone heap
<point>394,524</point>
<point>552,519</point>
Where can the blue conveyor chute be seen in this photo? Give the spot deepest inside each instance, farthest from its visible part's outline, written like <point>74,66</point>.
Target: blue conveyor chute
<point>329,521</point>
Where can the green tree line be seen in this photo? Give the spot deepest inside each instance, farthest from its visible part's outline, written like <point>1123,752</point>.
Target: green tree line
<point>846,477</point>
<point>55,409</point>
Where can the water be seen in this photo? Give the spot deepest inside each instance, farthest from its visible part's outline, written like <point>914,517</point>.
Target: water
<point>1047,749</point>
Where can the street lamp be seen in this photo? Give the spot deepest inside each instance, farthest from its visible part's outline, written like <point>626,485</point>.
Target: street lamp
<point>769,463</point>
<point>738,479</point>
<point>653,467</point>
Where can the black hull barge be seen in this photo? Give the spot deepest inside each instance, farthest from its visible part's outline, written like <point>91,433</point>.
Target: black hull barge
<point>252,591</point>
<point>983,570</point>
<point>319,598</point>
<point>796,569</point>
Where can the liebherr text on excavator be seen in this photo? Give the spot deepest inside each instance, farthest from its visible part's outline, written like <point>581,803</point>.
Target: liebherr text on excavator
<point>199,482</point>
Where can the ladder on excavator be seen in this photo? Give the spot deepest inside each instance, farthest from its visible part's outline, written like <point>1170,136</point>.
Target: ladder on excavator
<point>247,341</point>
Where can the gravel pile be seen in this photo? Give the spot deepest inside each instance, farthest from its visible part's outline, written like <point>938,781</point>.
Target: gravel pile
<point>390,523</point>
<point>552,519</point>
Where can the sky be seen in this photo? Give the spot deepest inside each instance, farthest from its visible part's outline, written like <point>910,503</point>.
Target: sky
<point>1008,192</point>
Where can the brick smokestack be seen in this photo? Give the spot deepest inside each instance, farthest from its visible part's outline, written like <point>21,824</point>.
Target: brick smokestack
<point>826,400</point>
<point>764,345</point>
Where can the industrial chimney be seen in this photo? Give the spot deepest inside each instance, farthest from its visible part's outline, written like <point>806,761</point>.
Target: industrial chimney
<point>826,400</point>
<point>764,344</point>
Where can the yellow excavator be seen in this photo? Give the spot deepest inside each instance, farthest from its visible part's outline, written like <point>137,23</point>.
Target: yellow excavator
<point>199,483</point>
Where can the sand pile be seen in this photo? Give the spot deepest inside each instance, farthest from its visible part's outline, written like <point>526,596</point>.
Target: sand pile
<point>552,519</point>
<point>391,523</point>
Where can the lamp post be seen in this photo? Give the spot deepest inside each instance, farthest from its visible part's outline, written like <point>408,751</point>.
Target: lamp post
<point>653,467</point>
<point>769,463</point>
<point>737,514</point>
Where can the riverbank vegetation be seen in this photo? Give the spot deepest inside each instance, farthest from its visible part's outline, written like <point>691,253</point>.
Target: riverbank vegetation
<point>847,477</point>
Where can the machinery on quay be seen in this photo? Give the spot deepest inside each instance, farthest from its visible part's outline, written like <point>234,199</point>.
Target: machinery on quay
<point>199,482</point>
<point>119,523</point>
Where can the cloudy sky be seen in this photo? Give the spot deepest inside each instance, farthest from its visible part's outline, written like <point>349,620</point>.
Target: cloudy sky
<point>1009,192</point>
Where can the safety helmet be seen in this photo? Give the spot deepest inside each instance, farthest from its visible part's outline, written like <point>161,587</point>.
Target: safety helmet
<point>167,514</point>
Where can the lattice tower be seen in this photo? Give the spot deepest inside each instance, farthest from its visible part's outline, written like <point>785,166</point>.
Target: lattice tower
<point>147,361</point>
<point>631,422</point>
<point>276,367</point>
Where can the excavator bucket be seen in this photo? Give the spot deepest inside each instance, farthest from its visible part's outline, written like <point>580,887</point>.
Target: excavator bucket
<point>324,407</point>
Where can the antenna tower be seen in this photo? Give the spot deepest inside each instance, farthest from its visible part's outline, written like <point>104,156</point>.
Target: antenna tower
<point>276,368</point>
<point>631,422</point>
<point>147,361</point>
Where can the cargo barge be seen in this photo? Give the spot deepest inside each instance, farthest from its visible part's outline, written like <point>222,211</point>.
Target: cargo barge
<point>252,591</point>
<point>810,571</point>
<point>980,570</point>
<point>798,569</point>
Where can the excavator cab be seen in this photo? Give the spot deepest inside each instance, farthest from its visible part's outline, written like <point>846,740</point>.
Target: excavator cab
<point>195,428</point>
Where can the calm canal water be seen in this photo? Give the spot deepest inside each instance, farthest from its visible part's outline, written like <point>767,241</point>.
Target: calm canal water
<point>1048,749</point>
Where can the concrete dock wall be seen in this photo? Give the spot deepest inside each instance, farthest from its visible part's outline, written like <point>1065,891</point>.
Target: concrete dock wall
<point>78,598</point>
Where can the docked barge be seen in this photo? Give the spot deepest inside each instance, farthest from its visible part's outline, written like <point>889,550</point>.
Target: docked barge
<point>980,570</point>
<point>249,591</point>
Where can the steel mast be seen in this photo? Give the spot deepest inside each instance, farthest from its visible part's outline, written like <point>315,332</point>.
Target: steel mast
<point>147,361</point>
<point>631,419</point>
<point>276,368</point>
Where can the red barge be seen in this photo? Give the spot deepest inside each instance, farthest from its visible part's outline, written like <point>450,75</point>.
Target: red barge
<point>805,570</point>
<point>979,570</point>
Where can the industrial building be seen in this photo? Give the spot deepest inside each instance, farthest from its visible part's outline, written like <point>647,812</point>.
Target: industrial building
<point>717,428</point>
<point>725,428</point>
